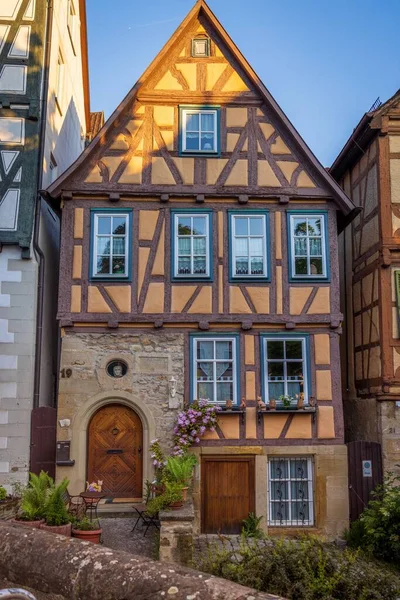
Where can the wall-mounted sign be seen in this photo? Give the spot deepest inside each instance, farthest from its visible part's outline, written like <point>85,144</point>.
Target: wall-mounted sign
<point>367,468</point>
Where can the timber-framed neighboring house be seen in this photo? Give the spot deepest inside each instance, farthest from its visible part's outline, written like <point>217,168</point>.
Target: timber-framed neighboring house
<point>368,169</point>
<point>200,259</point>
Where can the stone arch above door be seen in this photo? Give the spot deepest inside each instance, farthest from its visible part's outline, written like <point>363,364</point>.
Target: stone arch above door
<point>78,435</point>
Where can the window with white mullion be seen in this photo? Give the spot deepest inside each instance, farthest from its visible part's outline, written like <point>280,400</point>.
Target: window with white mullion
<point>110,245</point>
<point>199,130</point>
<point>285,369</point>
<point>192,245</point>
<point>308,246</point>
<point>214,377</point>
<point>249,246</point>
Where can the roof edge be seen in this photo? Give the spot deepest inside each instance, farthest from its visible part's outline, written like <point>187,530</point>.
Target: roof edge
<point>344,203</point>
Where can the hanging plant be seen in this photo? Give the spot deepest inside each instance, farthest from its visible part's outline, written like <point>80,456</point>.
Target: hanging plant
<point>192,423</point>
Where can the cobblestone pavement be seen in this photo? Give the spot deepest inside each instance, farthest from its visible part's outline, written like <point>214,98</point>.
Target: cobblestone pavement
<point>117,535</point>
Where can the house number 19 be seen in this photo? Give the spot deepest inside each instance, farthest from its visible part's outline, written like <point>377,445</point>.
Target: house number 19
<point>66,373</point>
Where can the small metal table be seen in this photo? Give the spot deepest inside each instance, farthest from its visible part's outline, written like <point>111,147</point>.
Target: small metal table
<point>92,500</point>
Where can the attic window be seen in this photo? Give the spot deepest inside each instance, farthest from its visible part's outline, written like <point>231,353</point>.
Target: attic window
<point>201,47</point>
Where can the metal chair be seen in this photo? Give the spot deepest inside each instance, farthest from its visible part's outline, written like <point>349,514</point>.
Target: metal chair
<point>16,594</point>
<point>76,505</point>
<point>142,514</point>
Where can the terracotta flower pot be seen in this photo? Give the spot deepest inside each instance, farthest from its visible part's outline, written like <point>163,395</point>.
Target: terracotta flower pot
<point>184,493</point>
<point>34,524</point>
<point>176,505</point>
<point>88,536</point>
<point>60,529</point>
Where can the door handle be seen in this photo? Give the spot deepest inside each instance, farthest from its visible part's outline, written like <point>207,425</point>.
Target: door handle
<point>114,451</point>
<point>139,450</point>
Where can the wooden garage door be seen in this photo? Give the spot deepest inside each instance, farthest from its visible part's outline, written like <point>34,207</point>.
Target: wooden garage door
<point>115,451</point>
<point>227,493</point>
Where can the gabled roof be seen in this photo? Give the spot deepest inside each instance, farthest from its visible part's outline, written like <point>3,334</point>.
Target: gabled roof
<point>367,128</point>
<point>343,202</point>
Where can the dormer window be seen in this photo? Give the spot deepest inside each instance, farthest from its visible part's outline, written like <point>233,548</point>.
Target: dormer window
<point>201,47</point>
<point>199,130</point>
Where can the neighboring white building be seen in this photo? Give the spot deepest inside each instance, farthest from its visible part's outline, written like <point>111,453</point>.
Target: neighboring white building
<point>44,122</point>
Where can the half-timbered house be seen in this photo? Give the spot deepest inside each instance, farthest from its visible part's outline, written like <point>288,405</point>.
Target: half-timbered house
<point>368,169</point>
<point>199,260</point>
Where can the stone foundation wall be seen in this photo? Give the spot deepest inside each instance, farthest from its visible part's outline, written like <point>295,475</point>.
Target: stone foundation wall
<point>389,423</point>
<point>176,535</point>
<point>370,420</point>
<point>152,359</point>
<point>331,499</point>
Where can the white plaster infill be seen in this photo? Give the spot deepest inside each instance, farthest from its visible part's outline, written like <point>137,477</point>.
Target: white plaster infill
<point>6,275</point>
<point>80,426</point>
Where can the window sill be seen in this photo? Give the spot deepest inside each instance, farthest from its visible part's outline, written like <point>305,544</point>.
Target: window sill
<point>249,279</point>
<point>192,278</point>
<point>200,154</point>
<point>308,410</point>
<point>110,279</point>
<point>309,279</point>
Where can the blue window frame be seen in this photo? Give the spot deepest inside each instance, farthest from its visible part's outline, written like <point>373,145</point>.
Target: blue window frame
<point>191,232</point>
<point>285,367</point>
<point>199,130</point>
<point>249,245</point>
<point>214,367</point>
<point>110,244</point>
<point>308,245</point>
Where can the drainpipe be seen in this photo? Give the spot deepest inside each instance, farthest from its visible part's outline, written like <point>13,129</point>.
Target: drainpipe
<point>36,247</point>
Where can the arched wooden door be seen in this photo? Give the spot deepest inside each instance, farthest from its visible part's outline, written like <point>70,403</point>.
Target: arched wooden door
<point>115,442</point>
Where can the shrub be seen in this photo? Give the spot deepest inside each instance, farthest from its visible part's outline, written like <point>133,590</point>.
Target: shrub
<point>35,496</point>
<point>251,527</point>
<point>381,521</point>
<point>56,512</point>
<point>3,493</point>
<point>192,423</point>
<point>304,569</point>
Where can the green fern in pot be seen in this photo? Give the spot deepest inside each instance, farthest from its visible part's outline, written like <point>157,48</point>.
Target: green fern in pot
<point>179,470</point>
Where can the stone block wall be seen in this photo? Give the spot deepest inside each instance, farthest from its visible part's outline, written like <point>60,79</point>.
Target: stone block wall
<point>176,535</point>
<point>18,285</point>
<point>152,359</point>
<point>389,432</point>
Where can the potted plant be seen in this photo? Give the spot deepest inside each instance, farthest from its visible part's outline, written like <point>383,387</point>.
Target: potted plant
<point>286,401</point>
<point>89,531</point>
<point>272,404</point>
<point>34,500</point>
<point>179,470</point>
<point>57,519</point>
<point>170,498</point>
<point>228,404</point>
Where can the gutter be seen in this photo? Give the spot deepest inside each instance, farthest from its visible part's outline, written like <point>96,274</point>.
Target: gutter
<point>36,247</point>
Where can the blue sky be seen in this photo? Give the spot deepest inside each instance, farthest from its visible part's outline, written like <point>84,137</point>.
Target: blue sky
<point>324,61</point>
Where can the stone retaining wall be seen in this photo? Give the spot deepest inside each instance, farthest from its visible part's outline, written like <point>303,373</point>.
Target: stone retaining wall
<point>176,535</point>
<point>80,570</point>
